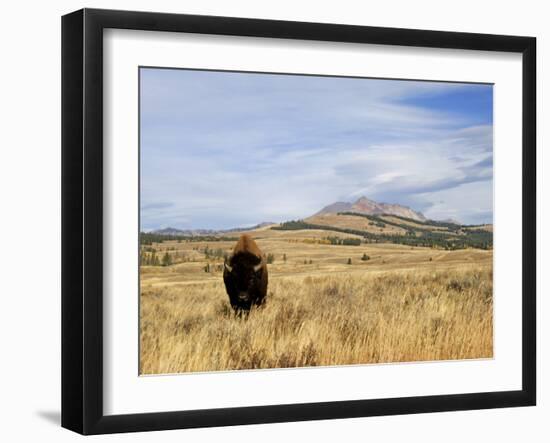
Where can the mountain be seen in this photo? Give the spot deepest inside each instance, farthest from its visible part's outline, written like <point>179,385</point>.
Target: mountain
<point>454,221</point>
<point>335,208</point>
<point>201,232</point>
<point>184,232</point>
<point>363,205</point>
<point>368,221</point>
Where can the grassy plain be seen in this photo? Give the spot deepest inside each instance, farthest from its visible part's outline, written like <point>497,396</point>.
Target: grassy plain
<point>402,304</point>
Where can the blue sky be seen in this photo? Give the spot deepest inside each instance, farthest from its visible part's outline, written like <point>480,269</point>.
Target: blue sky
<point>222,149</point>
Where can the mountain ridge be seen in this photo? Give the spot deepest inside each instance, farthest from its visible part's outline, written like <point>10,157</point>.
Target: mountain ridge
<point>361,206</point>
<point>366,206</point>
<point>203,232</point>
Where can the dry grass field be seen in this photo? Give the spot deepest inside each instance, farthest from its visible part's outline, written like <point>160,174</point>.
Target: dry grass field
<point>348,221</point>
<point>402,304</point>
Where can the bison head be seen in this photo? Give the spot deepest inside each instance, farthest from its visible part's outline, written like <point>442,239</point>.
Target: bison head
<point>245,275</point>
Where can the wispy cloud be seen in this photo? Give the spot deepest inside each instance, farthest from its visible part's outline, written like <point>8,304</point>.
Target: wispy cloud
<point>231,149</point>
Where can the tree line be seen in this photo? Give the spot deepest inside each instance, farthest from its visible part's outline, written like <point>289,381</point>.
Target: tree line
<point>479,239</point>
<point>152,259</point>
<point>148,238</point>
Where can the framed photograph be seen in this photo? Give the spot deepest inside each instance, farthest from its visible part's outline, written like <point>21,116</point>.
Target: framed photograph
<point>269,221</point>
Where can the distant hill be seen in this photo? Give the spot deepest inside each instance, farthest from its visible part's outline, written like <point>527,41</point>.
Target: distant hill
<point>393,223</point>
<point>453,221</point>
<point>366,206</point>
<point>388,228</point>
<point>365,219</point>
<point>204,232</point>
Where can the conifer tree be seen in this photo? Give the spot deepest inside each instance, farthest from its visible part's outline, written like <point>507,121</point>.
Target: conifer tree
<point>166,260</point>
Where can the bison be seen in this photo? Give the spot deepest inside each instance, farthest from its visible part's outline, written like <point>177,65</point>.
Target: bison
<point>245,275</point>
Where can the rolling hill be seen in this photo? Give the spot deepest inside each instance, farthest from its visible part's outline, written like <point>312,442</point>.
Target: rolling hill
<point>392,223</point>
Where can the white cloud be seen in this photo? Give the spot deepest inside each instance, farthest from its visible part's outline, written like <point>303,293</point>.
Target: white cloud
<point>245,149</point>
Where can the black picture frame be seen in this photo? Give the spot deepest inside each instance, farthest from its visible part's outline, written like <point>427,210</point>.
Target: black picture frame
<point>82,218</point>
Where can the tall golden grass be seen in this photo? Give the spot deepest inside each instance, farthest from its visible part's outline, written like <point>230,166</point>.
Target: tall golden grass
<point>336,319</point>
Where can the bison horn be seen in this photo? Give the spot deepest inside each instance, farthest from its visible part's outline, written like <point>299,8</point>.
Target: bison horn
<point>229,268</point>
<point>258,267</point>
